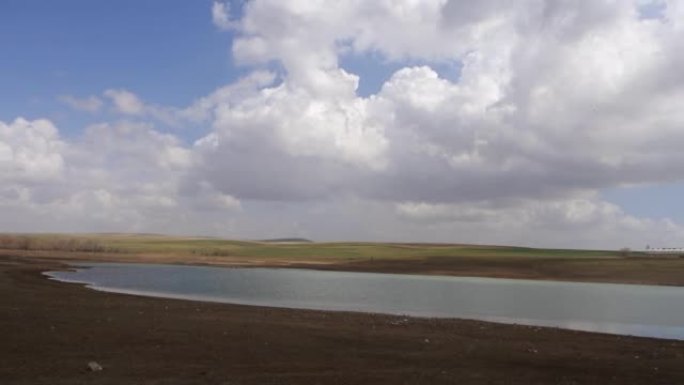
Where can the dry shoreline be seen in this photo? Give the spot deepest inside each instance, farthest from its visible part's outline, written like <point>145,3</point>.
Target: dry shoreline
<point>636,270</point>
<point>52,330</point>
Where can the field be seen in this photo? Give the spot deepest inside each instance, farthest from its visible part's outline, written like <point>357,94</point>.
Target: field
<point>52,330</point>
<point>144,244</point>
<point>411,258</point>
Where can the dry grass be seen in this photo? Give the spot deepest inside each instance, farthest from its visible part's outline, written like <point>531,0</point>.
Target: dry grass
<point>172,246</point>
<point>53,243</point>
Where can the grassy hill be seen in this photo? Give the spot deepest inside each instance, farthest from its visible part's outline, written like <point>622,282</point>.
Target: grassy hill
<point>287,248</point>
<point>413,258</point>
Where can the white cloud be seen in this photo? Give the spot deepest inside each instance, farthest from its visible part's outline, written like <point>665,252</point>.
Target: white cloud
<point>579,222</point>
<point>542,88</point>
<point>128,103</point>
<point>204,108</point>
<point>125,102</point>
<point>573,212</point>
<point>555,101</point>
<point>30,151</point>
<point>90,104</point>
<point>117,176</point>
<point>220,15</point>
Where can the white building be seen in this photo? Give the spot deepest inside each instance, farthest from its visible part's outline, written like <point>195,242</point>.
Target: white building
<point>672,251</point>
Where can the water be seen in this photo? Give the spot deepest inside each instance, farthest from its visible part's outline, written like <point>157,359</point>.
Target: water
<point>650,311</point>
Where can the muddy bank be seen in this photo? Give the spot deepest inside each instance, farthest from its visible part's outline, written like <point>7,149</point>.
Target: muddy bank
<point>635,270</point>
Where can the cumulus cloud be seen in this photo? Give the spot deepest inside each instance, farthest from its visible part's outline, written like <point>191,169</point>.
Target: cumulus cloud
<point>542,90</point>
<point>122,176</point>
<point>30,151</point>
<point>554,102</point>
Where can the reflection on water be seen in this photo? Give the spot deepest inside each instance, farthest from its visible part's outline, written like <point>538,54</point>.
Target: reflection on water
<point>652,311</point>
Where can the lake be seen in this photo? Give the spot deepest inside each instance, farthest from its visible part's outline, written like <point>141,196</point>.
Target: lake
<point>640,310</point>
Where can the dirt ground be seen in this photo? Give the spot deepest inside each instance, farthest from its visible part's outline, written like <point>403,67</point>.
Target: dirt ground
<point>50,331</point>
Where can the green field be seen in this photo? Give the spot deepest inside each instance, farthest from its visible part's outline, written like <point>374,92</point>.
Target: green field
<point>410,258</point>
<point>144,244</point>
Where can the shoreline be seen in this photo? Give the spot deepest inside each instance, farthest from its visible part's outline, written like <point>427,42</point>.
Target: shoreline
<point>53,330</point>
<point>647,270</point>
<point>614,328</point>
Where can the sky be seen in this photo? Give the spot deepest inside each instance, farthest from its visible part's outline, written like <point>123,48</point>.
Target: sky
<point>546,123</point>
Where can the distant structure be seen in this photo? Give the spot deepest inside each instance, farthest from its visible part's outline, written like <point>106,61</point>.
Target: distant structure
<point>668,251</point>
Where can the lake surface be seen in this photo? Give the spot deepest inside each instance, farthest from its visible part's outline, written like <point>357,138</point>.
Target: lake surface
<point>651,311</point>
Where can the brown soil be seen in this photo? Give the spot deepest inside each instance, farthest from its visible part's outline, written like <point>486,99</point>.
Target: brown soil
<point>50,331</point>
<point>642,270</point>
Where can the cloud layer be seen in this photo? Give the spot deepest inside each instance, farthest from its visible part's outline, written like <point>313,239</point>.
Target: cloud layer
<point>555,101</point>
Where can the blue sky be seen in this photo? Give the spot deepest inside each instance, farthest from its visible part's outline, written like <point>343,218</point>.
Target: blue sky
<point>170,55</point>
<point>466,125</point>
<point>167,52</point>
<point>666,201</point>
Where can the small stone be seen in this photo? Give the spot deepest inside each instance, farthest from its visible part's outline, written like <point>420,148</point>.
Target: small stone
<point>94,366</point>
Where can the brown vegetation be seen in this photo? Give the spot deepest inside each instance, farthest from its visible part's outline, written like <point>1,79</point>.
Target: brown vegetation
<point>212,252</point>
<point>47,243</point>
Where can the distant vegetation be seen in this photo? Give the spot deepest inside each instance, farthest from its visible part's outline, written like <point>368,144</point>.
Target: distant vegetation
<point>53,243</point>
<point>287,240</point>
<point>283,249</point>
<point>212,252</point>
